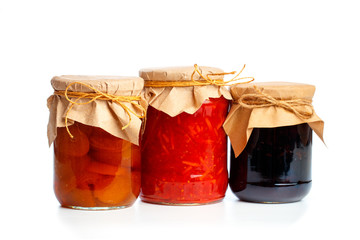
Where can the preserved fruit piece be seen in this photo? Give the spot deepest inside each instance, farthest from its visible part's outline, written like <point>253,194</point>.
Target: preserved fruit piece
<point>79,198</point>
<point>100,139</point>
<point>275,165</point>
<point>184,157</point>
<point>107,148</point>
<point>117,191</point>
<point>102,168</point>
<point>71,147</point>
<point>64,178</point>
<point>93,173</point>
<point>136,158</point>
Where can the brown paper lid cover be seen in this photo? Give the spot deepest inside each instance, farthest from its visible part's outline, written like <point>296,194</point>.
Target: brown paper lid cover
<point>182,73</point>
<point>278,90</point>
<point>105,114</point>
<point>116,85</point>
<point>240,120</point>
<point>174,100</point>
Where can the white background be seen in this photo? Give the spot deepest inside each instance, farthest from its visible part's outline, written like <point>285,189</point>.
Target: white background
<point>315,42</point>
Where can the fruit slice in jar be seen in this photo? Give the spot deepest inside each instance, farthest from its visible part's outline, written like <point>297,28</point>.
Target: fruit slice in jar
<point>127,154</point>
<point>102,140</point>
<point>85,128</point>
<point>66,146</point>
<point>136,182</point>
<point>105,169</point>
<point>93,181</point>
<point>64,180</point>
<point>122,158</point>
<point>65,185</point>
<point>79,198</point>
<point>118,192</point>
<point>101,168</point>
<point>107,148</point>
<point>88,180</point>
<point>106,157</point>
<point>135,158</point>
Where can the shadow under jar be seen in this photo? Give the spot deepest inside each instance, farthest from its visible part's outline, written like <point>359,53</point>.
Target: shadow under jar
<point>275,166</point>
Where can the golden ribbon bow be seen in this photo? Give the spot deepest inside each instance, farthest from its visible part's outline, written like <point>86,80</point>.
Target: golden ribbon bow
<point>261,99</point>
<point>98,95</point>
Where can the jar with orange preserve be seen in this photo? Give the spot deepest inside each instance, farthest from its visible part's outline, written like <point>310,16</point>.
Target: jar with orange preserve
<point>184,160</point>
<point>94,126</point>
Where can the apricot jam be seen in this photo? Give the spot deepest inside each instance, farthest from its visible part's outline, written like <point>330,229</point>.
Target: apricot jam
<point>95,170</point>
<point>184,158</point>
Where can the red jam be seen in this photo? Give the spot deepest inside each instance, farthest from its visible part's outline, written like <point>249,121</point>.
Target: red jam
<point>184,157</point>
<point>95,170</point>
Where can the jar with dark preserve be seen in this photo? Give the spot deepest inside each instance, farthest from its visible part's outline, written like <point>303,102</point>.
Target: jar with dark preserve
<point>94,169</point>
<point>184,160</point>
<point>275,164</point>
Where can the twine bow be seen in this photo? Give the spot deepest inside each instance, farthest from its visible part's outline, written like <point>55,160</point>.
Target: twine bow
<point>205,80</point>
<point>219,82</point>
<point>98,95</point>
<point>302,108</point>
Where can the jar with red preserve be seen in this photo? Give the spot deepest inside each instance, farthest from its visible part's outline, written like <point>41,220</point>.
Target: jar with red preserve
<point>184,159</point>
<point>95,124</point>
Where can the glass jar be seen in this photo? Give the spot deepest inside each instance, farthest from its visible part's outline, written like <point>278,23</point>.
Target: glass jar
<point>270,128</point>
<point>95,170</point>
<point>94,126</point>
<point>184,160</point>
<point>275,165</point>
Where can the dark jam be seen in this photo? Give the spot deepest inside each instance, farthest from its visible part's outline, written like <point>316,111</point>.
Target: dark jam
<point>275,166</point>
<point>184,157</point>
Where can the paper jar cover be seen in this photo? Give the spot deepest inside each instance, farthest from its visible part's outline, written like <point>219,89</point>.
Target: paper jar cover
<point>174,100</point>
<point>241,121</point>
<point>107,115</point>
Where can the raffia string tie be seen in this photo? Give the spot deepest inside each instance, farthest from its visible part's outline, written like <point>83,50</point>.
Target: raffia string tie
<point>203,81</point>
<point>302,108</point>
<point>98,95</point>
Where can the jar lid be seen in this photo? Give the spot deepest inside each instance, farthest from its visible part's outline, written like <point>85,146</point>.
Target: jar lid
<point>269,105</point>
<point>278,90</point>
<point>115,85</point>
<point>112,103</point>
<point>165,86</point>
<point>178,73</point>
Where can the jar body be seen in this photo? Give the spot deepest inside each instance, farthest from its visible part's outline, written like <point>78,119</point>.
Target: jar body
<point>275,166</point>
<point>184,160</point>
<point>95,170</point>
